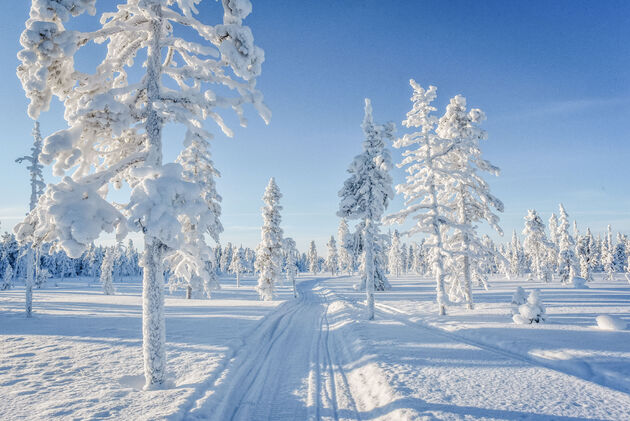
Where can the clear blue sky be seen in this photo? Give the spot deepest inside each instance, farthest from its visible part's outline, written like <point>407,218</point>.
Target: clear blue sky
<point>552,77</point>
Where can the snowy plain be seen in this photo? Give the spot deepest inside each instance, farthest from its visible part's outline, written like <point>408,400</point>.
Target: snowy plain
<point>316,357</point>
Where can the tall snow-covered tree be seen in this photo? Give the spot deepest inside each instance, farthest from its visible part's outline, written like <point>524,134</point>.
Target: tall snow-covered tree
<point>553,238</point>
<point>115,123</point>
<point>567,262</point>
<point>194,260</point>
<point>516,257</point>
<point>619,254</point>
<point>237,266</point>
<point>365,196</point>
<point>473,202</point>
<point>332,260</point>
<point>395,255</point>
<point>7,278</point>
<point>587,255</point>
<point>346,261</point>
<point>608,258</point>
<point>291,267</point>
<point>428,185</point>
<point>269,251</point>
<point>536,246</point>
<point>313,259</point>
<point>107,272</point>
<point>37,189</point>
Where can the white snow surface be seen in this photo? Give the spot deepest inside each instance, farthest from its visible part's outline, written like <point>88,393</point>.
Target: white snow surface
<point>316,357</point>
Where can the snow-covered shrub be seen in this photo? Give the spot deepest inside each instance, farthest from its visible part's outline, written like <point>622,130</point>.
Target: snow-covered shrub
<point>532,311</point>
<point>518,299</point>
<point>578,282</point>
<point>610,323</point>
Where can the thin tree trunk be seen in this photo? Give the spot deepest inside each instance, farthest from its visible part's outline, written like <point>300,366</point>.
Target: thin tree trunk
<point>238,279</point>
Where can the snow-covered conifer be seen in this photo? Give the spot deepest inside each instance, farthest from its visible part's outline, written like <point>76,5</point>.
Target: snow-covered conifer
<point>516,257</point>
<point>346,261</point>
<point>587,255</point>
<point>237,266</point>
<point>115,123</point>
<point>619,254</point>
<point>107,269</point>
<point>332,260</point>
<point>473,202</point>
<point>7,278</point>
<point>269,251</point>
<point>553,238</point>
<point>313,259</point>
<point>291,268</point>
<point>37,189</point>
<point>608,258</point>
<point>395,255</point>
<point>567,261</point>
<point>365,196</point>
<point>429,180</point>
<point>536,246</point>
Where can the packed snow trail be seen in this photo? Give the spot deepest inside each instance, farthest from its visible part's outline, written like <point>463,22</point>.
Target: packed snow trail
<point>287,370</point>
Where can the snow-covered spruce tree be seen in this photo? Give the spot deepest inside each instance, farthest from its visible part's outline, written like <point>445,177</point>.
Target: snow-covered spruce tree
<point>567,262</point>
<point>313,259</point>
<point>114,132</point>
<point>394,255</point>
<point>107,272</point>
<point>608,257</point>
<point>194,261</point>
<point>269,251</point>
<point>587,255</point>
<point>553,238</point>
<point>7,278</point>
<point>291,262</point>
<point>536,246</point>
<point>237,266</point>
<point>428,186</point>
<point>619,254</point>
<point>332,260</point>
<point>473,203</point>
<point>346,261</point>
<point>365,196</point>
<point>37,189</point>
<point>516,257</point>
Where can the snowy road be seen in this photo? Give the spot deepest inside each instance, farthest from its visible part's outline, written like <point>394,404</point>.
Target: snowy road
<point>288,370</point>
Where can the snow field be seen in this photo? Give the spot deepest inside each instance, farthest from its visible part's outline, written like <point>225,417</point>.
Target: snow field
<point>317,357</point>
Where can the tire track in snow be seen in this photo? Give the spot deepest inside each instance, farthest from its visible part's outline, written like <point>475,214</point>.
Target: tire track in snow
<point>285,370</point>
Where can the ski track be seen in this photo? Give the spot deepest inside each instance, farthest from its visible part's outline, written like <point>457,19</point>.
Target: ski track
<point>287,370</point>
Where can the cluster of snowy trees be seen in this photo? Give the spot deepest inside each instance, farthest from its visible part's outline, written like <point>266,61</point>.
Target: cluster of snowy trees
<point>559,250</point>
<point>57,264</point>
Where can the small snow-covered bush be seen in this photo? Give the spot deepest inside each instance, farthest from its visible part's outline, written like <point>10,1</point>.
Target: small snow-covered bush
<point>610,323</point>
<point>532,311</point>
<point>518,299</point>
<point>578,283</point>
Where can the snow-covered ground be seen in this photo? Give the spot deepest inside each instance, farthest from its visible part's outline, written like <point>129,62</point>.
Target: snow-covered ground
<point>315,357</point>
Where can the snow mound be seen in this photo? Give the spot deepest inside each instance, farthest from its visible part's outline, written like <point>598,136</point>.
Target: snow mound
<point>578,283</point>
<point>532,311</point>
<point>610,323</point>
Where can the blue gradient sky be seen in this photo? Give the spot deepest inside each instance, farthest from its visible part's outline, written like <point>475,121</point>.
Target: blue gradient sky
<point>552,77</point>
